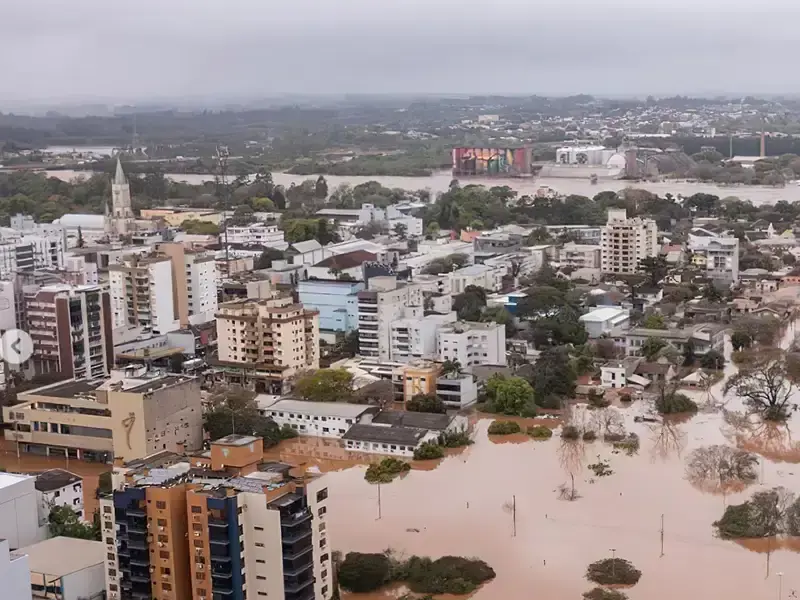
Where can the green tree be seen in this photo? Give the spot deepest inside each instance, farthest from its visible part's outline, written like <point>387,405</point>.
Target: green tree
<point>510,396</point>
<point>470,304</point>
<point>197,227</point>
<point>450,367</point>
<point>262,205</point>
<point>712,360</point>
<point>326,385</point>
<point>501,316</point>
<point>267,257</point>
<point>553,378</point>
<point>321,188</point>
<point>652,346</point>
<point>234,410</point>
<point>63,521</point>
<point>765,385</point>
<point>655,267</point>
<point>740,340</point>
<point>400,231</point>
<point>426,403</point>
<point>654,321</point>
<point>432,231</point>
<point>362,573</point>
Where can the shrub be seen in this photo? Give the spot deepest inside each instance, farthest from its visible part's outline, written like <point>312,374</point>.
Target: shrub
<point>447,575</point>
<point>600,593</point>
<point>625,397</point>
<point>426,403</point>
<point>570,432</point>
<point>540,432</point>
<point>364,572</point>
<point>386,470</point>
<point>429,451</point>
<point>613,437</point>
<point>286,432</point>
<point>674,403</point>
<point>613,571</point>
<point>454,439</point>
<point>597,400</point>
<point>628,444</point>
<point>504,427</point>
<point>589,436</point>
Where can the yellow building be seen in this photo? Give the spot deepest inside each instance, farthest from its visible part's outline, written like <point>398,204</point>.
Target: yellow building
<point>266,341</point>
<point>418,377</point>
<point>128,417</point>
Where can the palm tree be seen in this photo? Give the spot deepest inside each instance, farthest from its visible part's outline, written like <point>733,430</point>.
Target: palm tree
<point>451,367</point>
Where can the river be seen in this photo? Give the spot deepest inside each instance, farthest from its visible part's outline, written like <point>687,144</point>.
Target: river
<point>440,181</point>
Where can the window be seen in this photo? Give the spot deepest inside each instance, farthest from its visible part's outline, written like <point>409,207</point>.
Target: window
<point>324,589</point>
<point>261,578</point>
<point>108,525</point>
<point>166,587</point>
<point>198,543</point>
<point>163,538</point>
<point>322,494</point>
<point>197,509</point>
<point>262,593</point>
<point>112,572</point>
<point>107,510</point>
<point>163,554</point>
<point>162,522</point>
<point>109,540</point>
<point>259,545</point>
<point>197,527</point>
<point>165,571</point>
<point>259,528</point>
<point>261,562</point>
<point>161,505</point>
<point>201,592</point>
<point>113,587</point>
<point>322,510</point>
<point>200,576</point>
<point>110,556</point>
<point>324,573</point>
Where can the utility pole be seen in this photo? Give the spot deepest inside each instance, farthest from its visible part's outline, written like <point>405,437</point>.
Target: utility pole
<point>223,193</point>
<point>662,534</point>
<point>379,502</point>
<point>514,515</point>
<point>780,584</point>
<point>613,562</point>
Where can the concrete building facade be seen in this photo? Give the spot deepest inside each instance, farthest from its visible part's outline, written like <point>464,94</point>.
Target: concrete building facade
<point>384,301</point>
<point>15,573</point>
<point>473,344</point>
<point>142,294</point>
<point>19,516</point>
<point>625,242</point>
<point>336,302</point>
<point>717,256</point>
<point>71,329</point>
<point>194,283</point>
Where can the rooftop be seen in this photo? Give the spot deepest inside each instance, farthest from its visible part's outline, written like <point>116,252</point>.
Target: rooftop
<point>348,260</point>
<point>413,419</point>
<point>322,409</point>
<point>55,479</point>
<point>603,314</point>
<point>9,479</point>
<point>403,436</point>
<point>60,556</point>
<point>159,383</point>
<point>235,439</point>
<point>67,389</point>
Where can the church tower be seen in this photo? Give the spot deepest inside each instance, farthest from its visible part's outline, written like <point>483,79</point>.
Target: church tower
<point>121,213</point>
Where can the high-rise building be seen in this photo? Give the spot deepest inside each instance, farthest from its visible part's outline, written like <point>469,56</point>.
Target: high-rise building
<point>142,294</point>
<point>384,302</point>
<point>266,342</point>
<point>71,329</point>
<point>473,344</point>
<point>194,283</point>
<point>223,525</point>
<point>625,242</point>
<point>718,256</point>
<point>120,221</point>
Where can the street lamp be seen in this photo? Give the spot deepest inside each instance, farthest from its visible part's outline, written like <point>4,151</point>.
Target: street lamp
<point>780,584</point>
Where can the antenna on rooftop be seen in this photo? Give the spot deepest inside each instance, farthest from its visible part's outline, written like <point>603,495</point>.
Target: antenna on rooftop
<point>223,195</point>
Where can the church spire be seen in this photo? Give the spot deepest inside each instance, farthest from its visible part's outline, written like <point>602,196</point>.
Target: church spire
<point>119,177</point>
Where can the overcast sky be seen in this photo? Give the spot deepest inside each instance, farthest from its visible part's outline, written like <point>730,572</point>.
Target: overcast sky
<point>137,50</point>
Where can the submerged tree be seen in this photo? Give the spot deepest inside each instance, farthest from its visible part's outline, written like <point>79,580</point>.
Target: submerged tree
<point>764,515</point>
<point>765,386</point>
<point>613,571</point>
<point>721,469</point>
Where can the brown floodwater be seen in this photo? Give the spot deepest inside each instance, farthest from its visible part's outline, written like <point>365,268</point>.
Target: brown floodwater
<point>465,507</point>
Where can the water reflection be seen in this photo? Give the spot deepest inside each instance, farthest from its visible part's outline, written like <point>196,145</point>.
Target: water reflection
<point>668,437</point>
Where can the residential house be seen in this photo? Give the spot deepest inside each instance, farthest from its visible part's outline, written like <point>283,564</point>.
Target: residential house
<point>602,321</point>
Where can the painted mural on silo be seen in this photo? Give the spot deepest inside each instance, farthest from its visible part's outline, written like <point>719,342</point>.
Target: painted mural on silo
<point>491,162</point>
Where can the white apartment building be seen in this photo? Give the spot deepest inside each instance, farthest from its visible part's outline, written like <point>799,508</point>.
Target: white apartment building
<point>19,510</point>
<point>579,256</point>
<point>719,256</point>
<point>319,419</point>
<point>15,573</point>
<point>194,282</point>
<point>143,295</point>
<point>67,569</point>
<point>417,337</point>
<point>625,242</point>
<point>80,271</point>
<point>384,302</point>
<point>483,276</point>
<point>473,344</point>
<point>57,487</point>
<point>261,234</point>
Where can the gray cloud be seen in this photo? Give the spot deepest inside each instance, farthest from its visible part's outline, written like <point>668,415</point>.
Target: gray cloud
<point>165,49</point>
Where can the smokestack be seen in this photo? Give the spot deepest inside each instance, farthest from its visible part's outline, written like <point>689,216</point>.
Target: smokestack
<point>763,144</point>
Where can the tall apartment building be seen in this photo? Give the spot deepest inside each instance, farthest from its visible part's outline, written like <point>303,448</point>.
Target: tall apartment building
<point>384,302</point>
<point>71,329</point>
<point>625,242</point>
<point>142,294</point>
<point>226,525</point>
<point>417,337</point>
<point>473,344</point>
<point>266,342</point>
<point>718,256</point>
<point>130,415</point>
<point>194,283</point>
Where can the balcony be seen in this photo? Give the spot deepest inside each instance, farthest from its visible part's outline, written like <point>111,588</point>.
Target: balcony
<point>294,519</point>
<point>218,523</point>
<point>294,587</point>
